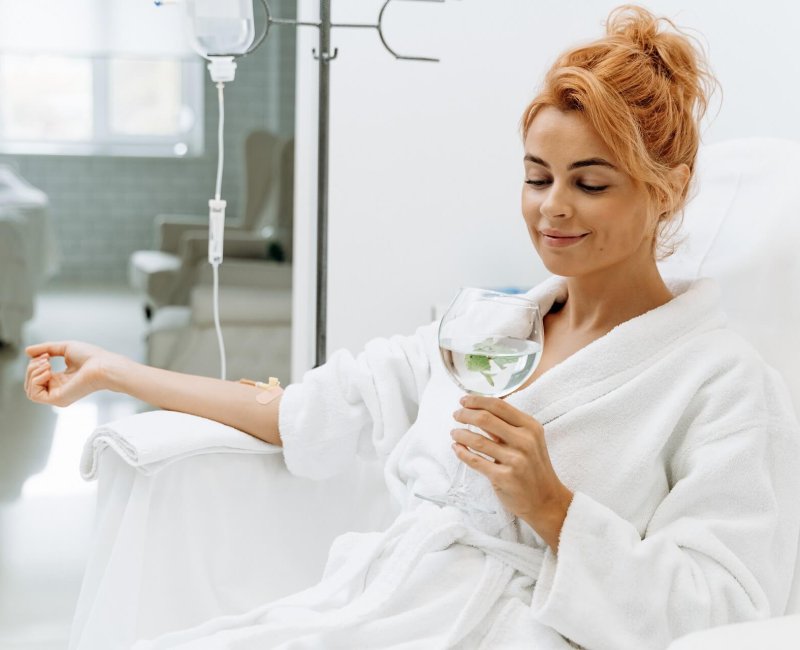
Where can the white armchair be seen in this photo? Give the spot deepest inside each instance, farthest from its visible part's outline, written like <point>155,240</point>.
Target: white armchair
<point>244,533</point>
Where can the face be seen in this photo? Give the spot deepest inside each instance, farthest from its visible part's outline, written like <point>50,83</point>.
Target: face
<point>583,213</point>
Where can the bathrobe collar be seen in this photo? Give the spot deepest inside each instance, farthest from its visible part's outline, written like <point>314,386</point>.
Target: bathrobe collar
<point>622,353</point>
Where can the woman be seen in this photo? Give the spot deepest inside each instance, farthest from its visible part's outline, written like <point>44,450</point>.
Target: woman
<point>643,478</point>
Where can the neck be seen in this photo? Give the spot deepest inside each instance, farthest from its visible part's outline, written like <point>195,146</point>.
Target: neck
<point>600,301</point>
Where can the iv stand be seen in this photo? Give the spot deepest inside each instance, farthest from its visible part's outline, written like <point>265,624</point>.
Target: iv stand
<point>325,56</point>
<point>323,109</point>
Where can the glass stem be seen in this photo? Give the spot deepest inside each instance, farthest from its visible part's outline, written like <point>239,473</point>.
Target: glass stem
<point>457,484</point>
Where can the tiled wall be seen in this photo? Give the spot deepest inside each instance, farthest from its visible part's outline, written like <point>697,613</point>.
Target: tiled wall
<point>103,207</point>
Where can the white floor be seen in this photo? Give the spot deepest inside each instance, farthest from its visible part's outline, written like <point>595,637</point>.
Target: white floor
<point>46,510</point>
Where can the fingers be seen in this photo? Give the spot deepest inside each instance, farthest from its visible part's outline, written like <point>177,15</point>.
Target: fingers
<point>41,376</point>
<point>54,349</point>
<point>37,379</point>
<point>475,441</point>
<point>33,366</point>
<point>498,407</point>
<point>479,464</point>
<point>486,421</point>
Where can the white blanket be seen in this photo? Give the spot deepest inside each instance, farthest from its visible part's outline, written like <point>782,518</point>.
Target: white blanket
<point>679,444</point>
<point>157,438</point>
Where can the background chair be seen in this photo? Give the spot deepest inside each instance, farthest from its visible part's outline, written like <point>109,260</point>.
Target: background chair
<point>28,251</point>
<point>248,531</point>
<point>255,278</point>
<point>264,230</point>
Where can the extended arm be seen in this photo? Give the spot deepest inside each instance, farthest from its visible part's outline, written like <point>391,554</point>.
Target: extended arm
<point>90,368</point>
<point>349,404</point>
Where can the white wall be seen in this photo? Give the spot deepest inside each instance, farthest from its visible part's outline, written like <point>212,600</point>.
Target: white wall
<point>426,160</point>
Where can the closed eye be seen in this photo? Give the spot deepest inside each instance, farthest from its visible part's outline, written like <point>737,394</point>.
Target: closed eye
<point>591,189</point>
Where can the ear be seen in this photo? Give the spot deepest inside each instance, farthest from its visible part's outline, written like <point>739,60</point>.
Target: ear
<point>678,177</point>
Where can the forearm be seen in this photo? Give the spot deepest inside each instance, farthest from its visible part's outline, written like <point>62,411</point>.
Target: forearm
<point>227,402</point>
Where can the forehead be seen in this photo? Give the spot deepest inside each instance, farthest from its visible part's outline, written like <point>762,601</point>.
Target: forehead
<point>563,137</point>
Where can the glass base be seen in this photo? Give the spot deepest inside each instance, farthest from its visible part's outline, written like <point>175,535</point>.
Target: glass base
<point>457,499</point>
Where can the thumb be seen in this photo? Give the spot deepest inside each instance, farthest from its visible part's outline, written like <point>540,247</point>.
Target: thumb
<point>54,349</point>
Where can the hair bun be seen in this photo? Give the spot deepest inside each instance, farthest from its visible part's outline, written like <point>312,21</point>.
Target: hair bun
<point>634,24</point>
<point>672,53</point>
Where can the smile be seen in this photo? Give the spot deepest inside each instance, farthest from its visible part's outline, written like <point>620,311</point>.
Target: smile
<point>561,241</point>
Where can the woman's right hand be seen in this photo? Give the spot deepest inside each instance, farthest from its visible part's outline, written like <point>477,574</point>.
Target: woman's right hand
<point>84,374</point>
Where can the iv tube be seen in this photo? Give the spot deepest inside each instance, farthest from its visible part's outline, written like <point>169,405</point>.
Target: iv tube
<point>216,227</point>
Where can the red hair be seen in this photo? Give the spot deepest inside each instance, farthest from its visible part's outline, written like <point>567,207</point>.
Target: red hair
<point>644,91</point>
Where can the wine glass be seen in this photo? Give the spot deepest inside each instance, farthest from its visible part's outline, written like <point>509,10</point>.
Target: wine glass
<point>491,343</point>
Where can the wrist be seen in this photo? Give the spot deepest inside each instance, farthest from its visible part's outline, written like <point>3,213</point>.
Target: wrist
<point>550,519</point>
<point>114,373</point>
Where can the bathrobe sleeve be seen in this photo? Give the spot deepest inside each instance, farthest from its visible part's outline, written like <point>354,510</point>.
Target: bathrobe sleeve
<point>355,405</point>
<point>720,548</point>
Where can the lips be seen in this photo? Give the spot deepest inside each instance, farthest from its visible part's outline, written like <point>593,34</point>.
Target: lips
<point>558,239</point>
<point>549,232</point>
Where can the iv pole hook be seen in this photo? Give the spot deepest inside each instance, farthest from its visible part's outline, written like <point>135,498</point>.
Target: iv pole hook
<point>379,27</point>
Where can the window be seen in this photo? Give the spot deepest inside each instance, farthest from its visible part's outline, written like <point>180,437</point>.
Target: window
<point>100,106</point>
<point>115,77</point>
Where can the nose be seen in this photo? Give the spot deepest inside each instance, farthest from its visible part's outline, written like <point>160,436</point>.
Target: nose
<point>555,203</point>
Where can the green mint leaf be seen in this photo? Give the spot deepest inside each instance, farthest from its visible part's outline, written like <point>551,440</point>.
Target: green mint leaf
<point>477,362</point>
<point>488,378</point>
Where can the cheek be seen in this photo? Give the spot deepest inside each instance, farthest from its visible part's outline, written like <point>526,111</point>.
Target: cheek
<point>531,216</point>
<point>530,206</point>
<point>622,235</point>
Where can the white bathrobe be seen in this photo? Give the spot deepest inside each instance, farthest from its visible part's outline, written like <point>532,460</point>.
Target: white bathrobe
<point>678,441</point>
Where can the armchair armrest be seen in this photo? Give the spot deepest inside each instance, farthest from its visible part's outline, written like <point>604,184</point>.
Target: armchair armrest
<point>247,273</point>
<point>170,229</point>
<point>173,228</point>
<point>148,441</point>
<point>194,246</point>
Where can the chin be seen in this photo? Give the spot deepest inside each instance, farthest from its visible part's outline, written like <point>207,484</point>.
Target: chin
<point>560,265</point>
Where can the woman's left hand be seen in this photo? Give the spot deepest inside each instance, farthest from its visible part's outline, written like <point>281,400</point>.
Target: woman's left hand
<point>522,475</point>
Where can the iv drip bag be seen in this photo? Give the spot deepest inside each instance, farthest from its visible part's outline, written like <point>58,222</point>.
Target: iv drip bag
<point>218,27</point>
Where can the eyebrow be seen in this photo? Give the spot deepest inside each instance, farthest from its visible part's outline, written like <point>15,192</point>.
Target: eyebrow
<point>576,165</point>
